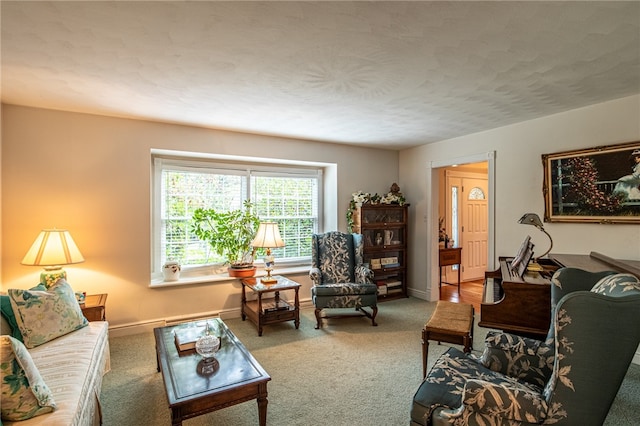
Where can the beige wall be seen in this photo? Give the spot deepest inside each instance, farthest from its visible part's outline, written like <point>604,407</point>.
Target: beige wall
<point>91,174</point>
<point>518,185</point>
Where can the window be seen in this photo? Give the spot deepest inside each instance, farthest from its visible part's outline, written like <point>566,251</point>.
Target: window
<point>286,195</point>
<point>476,193</point>
<point>454,219</point>
<point>291,202</point>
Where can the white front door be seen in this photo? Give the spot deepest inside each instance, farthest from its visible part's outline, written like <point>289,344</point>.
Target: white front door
<point>468,205</point>
<point>474,229</point>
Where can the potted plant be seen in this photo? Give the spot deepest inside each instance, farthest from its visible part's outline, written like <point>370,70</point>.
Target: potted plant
<point>230,235</point>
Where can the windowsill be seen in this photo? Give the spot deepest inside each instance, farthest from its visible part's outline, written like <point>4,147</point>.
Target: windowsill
<point>222,278</point>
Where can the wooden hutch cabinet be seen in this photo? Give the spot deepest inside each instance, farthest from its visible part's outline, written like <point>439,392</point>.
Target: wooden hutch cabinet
<point>384,231</point>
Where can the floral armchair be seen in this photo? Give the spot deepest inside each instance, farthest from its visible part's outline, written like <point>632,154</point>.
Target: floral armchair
<point>571,378</point>
<point>340,280</point>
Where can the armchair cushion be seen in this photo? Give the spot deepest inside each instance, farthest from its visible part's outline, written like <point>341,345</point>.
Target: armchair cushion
<point>520,357</point>
<point>511,401</point>
<point>344,289</point>
<point>446,386</point>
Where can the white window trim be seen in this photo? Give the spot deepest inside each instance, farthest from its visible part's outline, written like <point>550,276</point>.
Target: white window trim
<point>259,167</point>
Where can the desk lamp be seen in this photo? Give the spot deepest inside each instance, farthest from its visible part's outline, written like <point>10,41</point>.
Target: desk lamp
<point>268,236</point>
<point>52,249</point>
<point>534,219</point>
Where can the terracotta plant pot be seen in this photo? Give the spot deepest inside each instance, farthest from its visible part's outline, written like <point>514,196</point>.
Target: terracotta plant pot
<point>242,272</point>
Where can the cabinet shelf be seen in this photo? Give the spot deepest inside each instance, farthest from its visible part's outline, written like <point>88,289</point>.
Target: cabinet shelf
<point>384,231</point>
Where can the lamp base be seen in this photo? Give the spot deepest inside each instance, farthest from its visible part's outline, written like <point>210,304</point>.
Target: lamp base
<point>49,277</point>
<point>268,280</point>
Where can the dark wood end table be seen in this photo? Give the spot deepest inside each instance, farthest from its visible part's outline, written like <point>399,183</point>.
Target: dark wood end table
<point>447,257</point>
<point>191,392</point>
<point>262,312</point>
<point>94,308</point>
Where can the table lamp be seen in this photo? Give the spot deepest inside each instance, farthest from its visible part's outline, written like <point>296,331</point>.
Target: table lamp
<point>268,236</point>
<point>534,219</point>
<point>52,249</point>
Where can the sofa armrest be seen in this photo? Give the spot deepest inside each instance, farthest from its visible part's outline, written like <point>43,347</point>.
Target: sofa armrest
<point>519,357</point>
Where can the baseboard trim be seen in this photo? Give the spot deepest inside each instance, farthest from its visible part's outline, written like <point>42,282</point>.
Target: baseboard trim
<point>418,294</point>
<point>148,326</point>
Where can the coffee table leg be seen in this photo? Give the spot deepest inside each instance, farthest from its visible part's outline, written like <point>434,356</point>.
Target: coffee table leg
<point>176,417</point>
<point>262,405</point>
<point>296,306</point>
<point>262,411</point>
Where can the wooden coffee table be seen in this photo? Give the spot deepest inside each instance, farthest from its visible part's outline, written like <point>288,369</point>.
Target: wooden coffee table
<point>238,376</point>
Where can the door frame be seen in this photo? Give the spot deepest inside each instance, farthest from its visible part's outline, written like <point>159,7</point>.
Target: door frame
<point>433,196</point>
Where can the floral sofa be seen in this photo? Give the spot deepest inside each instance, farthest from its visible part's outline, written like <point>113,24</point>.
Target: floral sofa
<point>570,378</point>
<point>52,358</point>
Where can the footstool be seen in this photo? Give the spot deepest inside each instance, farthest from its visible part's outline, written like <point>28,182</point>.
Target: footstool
<point>451,323</point>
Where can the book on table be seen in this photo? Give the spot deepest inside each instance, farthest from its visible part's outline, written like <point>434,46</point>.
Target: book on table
<point>186,337</point>
<point>272,306</point>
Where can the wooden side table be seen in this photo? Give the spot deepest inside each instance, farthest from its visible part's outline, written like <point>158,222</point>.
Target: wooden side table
<point>93,307</point>
<point>262,312</point>
<point>450,256</point>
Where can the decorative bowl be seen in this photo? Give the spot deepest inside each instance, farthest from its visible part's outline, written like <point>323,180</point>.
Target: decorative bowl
<point>207,346</point>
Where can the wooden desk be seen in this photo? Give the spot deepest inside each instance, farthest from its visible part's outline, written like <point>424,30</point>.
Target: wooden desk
<point>450,256</point>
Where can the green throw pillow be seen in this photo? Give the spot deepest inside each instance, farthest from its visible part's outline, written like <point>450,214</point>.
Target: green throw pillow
<point>9,316</point>
<point>23,392</point>
<point>45,315</point>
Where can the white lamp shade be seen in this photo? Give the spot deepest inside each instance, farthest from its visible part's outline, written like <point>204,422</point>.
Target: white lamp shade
<point>53,247</point>
<point>268,236</point>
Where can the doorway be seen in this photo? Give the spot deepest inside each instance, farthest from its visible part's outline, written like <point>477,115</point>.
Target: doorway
<point>436,206</point>
<point>466,207</point>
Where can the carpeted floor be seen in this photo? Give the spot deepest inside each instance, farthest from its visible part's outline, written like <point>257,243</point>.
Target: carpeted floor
<point>348,373</point>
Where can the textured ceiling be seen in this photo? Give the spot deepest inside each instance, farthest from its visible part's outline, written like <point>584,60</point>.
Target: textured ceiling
<point>386,74</point>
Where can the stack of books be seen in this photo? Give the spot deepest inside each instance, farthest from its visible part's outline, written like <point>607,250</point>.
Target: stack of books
<point>389,286</point>
<point>385,262</point>
<point>389,262</point>
<point>382,287</point>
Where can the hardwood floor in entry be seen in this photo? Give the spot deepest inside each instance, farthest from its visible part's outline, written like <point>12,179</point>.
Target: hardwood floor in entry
<point>470,292</point>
